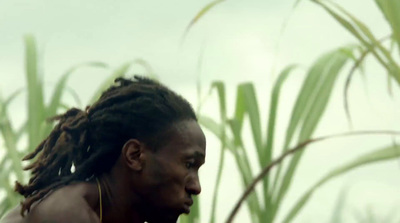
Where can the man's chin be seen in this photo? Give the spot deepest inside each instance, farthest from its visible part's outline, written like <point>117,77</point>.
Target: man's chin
<point>157,218</point>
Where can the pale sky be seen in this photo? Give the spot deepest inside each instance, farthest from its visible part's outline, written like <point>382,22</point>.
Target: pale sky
<point>238,42</point>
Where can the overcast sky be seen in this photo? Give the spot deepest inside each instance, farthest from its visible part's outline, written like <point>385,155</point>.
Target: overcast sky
<point>236,41</point>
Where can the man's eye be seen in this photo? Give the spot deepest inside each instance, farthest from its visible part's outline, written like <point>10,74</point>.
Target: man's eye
<point>189,164</point>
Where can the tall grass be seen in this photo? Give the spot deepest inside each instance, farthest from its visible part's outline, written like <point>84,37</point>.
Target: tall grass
<point>35,128</point>
<point>307,111</point>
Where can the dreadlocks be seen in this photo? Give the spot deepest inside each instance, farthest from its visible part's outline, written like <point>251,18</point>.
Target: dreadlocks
<point>90,141</point>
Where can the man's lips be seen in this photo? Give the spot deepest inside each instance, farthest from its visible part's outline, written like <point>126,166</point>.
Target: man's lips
<point>187,205</point>
<point>189,202</point>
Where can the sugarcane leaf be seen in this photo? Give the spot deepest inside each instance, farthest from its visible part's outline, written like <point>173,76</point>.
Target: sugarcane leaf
<point>268,148</point>
<point>246,103</point>
<point>9,135</point>
<point>62,84</point>
<point>61,87</point>
<point>365,36</point>
<point>149,69</point>
<point>301,107</point>
<point>390,10</point>
<point>211,125</point>
<point>74,95</point>
<point>119,72</point>
<point>36,109</point>
<point>379,155</point>
<point>314,114</point>
<point>199,15</point>
<point>391,65</point>
<point>246,173</point>
<point>5,205</point>
<point>220,88</point>
<point>273,112</point>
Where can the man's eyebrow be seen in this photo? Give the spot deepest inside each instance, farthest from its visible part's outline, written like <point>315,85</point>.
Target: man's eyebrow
<point>197,155</point>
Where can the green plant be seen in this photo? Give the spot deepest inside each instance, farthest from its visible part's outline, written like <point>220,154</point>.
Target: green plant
<point>36,127</point>
<point>306,114</point>
<point>307,111</point>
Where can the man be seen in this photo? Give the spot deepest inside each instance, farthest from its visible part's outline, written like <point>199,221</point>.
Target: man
<point>131,157</point>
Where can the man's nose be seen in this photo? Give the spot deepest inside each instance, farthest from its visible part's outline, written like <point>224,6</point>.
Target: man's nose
<point>193,186</point>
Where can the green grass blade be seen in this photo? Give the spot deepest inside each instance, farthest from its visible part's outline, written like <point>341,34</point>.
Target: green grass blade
<point>149,69</point>
<point>357,65</point>
<point>75,96</point>
<point>212,126</point>
<point>246,103</point>
<point>245,170</point>
<point>220,87</point>
<point>232,146</point>
<point>9,136</point>
<point>301,106</point>
<point>364,29</point>
<point>59,90</point>
<point>199,15</point>
<point>296,3</point>
<point>390,10</point>
<point>119,72</point>
<point>4,105</point>
<point>268,148</point>
<point>346,24</point>
<point>252,110</point>
<point>324,92</point>
<point>273,112</point>
<point>313,116</point>
<point>240,109</point>
<point>12,196</point>
<point>299,147</point>
<point>380,155</point>
<point>35,93</point>
<point>11,162</point>
<point>365,37</point>
<point>23,129</point>
<point>5,205</point>
<point>239,155</point>
<point>61,86</point>
<point>308,91</point>
<point>392,66</point>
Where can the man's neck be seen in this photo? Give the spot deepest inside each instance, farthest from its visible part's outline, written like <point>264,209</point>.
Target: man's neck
<point>118,204</point>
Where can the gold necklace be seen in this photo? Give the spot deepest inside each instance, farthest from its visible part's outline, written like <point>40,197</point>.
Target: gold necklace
<point>101,202</point>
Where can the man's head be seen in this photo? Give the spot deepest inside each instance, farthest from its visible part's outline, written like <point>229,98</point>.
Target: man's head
<point>166,178</point>
<point>141,126</point>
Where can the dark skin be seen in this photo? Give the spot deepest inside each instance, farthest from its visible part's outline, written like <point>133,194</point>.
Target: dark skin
<point>144,185</point>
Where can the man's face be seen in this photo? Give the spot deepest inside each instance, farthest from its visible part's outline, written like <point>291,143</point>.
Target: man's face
<point>171,172</point>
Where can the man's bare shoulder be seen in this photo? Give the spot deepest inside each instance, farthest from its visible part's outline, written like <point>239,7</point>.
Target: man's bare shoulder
<point>14,216</point>
<point>62,206</point>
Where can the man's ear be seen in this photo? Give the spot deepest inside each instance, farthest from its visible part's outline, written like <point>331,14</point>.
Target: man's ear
<point>133,154</point>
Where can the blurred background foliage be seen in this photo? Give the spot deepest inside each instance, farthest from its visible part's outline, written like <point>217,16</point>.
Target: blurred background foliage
<point>233,127</point>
